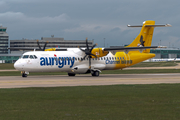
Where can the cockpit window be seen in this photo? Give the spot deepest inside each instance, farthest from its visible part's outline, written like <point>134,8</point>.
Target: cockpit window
<point>35,56</point>
<point>31,57</point>
<point>25,56</point>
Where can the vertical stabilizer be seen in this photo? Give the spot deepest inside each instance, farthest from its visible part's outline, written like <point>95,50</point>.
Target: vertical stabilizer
<point>145,36</point>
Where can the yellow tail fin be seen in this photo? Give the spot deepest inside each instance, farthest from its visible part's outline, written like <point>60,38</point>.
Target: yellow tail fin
<point>145,36</point>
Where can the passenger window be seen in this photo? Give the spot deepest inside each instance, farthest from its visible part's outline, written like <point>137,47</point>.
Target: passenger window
<point>25,56</point>
<point>31,57</point>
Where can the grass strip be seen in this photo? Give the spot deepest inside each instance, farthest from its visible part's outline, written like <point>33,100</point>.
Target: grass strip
<point>125,102</point>
<point>17,73</point>
<point>6,66</point>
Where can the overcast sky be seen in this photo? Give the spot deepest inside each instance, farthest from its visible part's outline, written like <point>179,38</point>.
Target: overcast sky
<point>95,19</point>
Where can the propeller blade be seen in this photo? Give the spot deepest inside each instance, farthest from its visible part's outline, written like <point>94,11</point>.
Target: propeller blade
<point>89,62</point>
<point>88,53</point>
<point>93,47</point>
<point>84,58</point>
<point>38,45</point>
<point>81,49</point>
<point>87,47</point>
<point>93,55</point>
<point>45,45</point>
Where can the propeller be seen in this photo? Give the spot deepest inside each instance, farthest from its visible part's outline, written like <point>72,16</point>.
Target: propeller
<point>40,46</point>
<point>88,53</point>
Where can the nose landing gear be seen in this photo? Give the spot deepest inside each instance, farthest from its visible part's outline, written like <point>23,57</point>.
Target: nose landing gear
<point>24,74</point>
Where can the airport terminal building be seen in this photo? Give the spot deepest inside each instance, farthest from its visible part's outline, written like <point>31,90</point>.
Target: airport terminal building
<point>26,43</point>
<point>52,43</point>
<point>166,53</point>
<point>10,56</point>
<point>4,40</point>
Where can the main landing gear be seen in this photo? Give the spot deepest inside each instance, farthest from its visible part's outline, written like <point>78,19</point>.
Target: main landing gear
<point>71,74</point>
<point>95,73</point>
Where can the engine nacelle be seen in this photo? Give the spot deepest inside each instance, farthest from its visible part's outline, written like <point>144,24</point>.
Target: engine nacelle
<point>99,52</point>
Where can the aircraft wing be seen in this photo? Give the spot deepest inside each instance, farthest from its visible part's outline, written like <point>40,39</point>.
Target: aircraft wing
<point>127,49</point>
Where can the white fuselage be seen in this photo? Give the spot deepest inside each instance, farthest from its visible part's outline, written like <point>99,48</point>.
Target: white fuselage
<point>66,61</point>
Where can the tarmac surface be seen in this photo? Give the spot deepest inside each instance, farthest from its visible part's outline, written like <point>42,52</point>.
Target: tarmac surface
<point>86,80</point>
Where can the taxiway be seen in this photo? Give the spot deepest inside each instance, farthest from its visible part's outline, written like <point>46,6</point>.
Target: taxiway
<point>86,80</point>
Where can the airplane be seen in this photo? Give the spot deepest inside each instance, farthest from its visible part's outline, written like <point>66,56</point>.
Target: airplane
<point>90,59</point>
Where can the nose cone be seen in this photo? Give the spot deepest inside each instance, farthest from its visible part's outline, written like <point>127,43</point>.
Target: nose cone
<point>17,65</point>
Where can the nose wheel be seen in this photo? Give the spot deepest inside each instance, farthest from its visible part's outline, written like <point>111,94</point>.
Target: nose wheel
<point>24,74</point>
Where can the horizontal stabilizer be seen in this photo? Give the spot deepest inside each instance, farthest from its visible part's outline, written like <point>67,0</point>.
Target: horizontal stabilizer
<point>167,25</point>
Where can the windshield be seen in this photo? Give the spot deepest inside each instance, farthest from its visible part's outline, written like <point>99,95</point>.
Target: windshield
<point>29,56</point>
<point>25,56</point>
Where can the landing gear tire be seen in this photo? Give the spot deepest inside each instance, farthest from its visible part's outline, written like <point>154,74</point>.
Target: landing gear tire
<point>95,73</point>
<point>24,75</point>
<point>71,74</point>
